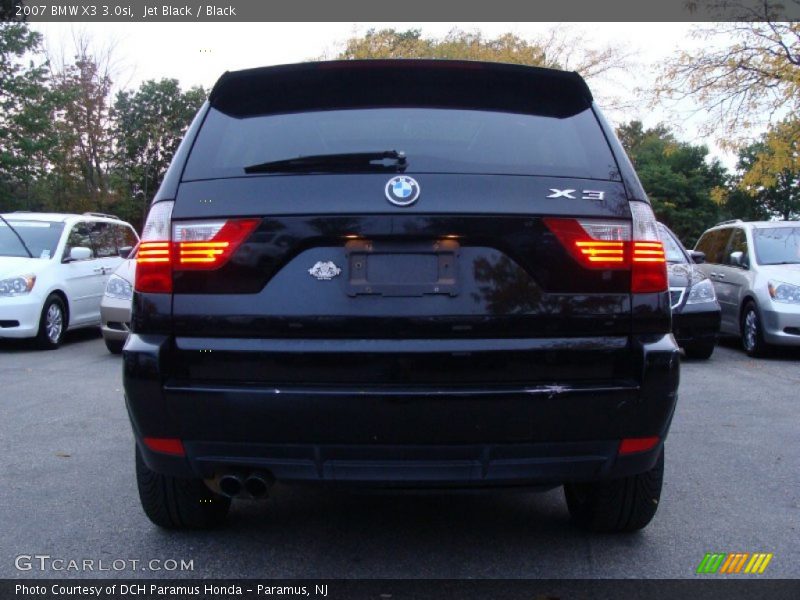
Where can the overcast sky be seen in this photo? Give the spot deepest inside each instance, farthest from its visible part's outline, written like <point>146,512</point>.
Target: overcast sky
<point>198,53</point>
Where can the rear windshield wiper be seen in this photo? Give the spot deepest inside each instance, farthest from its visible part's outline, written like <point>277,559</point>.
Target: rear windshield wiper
<point>19,237</point>
<point>336,163</point>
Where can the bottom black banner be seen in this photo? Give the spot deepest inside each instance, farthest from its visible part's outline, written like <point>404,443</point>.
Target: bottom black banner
<point>401,589</point>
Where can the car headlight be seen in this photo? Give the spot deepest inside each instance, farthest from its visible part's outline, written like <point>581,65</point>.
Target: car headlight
<point>117,287</point>
<point>16,286</point>
<point>784,292</point>
<point>702,292</point>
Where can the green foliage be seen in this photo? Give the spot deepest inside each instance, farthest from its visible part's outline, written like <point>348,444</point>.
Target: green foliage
<point>26,112</point>
<point>390,43</point>
<point>148,126</point>
<point>63,145</point>
<point>677,178</point>
<point>770,171</point>
<point>555,49</point>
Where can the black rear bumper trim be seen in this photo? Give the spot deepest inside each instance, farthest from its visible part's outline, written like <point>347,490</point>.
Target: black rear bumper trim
<point>396,346</point>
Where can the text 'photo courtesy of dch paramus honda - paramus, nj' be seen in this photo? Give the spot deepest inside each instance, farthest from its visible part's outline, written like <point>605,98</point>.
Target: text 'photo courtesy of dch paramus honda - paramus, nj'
<point>453,282</point>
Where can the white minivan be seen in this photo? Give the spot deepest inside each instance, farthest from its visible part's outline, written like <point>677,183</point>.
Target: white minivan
<point>53,271</point>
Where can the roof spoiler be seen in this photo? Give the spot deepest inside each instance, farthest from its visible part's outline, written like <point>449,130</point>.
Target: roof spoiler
<point>344,84</point>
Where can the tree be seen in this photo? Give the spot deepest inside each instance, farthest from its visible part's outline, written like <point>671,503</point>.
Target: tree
<point>679,181</point>
<point>27,137</point>
<point>771,172</point>
<point>747,74</point>
<point>8,10</point>
<point>554,50</point>
<point>84,124</point>
<point>149,124</point>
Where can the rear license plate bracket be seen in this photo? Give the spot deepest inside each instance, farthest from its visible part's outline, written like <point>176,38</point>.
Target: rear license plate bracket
<point>383,268</point>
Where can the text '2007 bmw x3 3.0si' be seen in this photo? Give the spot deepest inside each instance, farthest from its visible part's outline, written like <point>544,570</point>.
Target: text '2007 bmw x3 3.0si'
<point>401,273</point>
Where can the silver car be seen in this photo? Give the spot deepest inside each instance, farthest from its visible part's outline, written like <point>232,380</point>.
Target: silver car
<point>755,267</point>
<point>115,307</point>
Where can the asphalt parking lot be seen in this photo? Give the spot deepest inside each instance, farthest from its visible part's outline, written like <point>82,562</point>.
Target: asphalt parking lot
<point>732,484</point>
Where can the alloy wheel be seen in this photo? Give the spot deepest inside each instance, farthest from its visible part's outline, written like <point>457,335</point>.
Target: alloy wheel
<point>54,323</point>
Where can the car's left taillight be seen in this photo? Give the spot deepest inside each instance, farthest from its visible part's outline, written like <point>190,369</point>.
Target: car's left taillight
<point>208,245</point>
<point>154,259</point>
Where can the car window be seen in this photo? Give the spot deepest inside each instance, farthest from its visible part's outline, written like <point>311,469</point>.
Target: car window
<point>434,141</point>
<point>79,237</point>
<point>738,243</point>
<point>104,239</point>
<point>41,238</point>
<point>672,247</point>
<point>126,236</point>
<point>713,244</point>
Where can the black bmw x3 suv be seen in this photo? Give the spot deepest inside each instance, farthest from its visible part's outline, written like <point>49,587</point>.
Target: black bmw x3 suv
<point>401,273</point>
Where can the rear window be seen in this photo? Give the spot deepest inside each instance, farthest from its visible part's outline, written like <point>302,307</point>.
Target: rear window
<point>434,141</point>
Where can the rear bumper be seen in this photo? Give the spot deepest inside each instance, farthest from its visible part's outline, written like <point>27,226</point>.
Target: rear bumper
<point>403,435</point>
<point>487,465</point>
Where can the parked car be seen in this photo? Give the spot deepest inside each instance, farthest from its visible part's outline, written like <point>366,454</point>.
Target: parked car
<point>695,310</point>
<point>400,273</point>
<point>53,270</point>
<point>755,268</point>
<point>115,307</point>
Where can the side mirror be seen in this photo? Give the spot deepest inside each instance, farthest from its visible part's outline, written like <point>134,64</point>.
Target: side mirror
<point>738,259</point>
<point>698,257</point>
<point>125,251</point>
<point>79,253</point>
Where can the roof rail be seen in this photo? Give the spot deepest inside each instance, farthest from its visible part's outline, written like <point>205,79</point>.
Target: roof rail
<point>729,222</point>
<point>98,214</point>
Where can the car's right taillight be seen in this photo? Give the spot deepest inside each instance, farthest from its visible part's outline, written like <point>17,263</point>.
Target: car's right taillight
<point>617,245</point>
<point>648,261</point>
<point>154,258</point>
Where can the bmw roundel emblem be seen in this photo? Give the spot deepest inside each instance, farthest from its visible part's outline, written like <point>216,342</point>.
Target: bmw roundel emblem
<point>402,190</point>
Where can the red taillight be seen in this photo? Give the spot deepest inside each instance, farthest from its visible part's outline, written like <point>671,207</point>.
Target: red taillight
<point>634,445</point>
<point>153,270</point>
<point>205,245</point>
<point>165,445</point>
<point>649,269</point>
<point>190,245</point>
<point>154,258</point>
<point>588,250</point>
<point>597,244</point>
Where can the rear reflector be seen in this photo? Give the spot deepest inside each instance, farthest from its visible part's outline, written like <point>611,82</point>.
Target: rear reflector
<point>165,445</point>
<point>634,445</point>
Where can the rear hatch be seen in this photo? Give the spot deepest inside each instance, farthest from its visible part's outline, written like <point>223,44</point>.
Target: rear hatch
<point>399,223</point>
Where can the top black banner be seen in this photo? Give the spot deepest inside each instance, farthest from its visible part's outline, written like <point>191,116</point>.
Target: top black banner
<point>423,10</point>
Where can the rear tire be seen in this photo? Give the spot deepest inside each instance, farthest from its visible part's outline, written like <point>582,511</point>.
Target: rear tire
<point>701,350</point>
<point>616,506</point>
<point>753,332</point>
<point>178,503</point>
<point>114,346</point>
<point>52,323</point>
